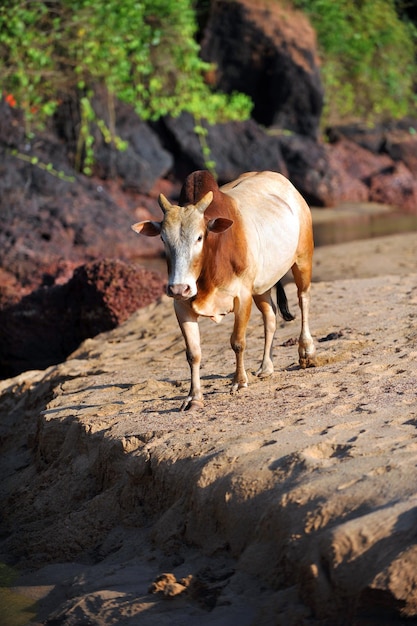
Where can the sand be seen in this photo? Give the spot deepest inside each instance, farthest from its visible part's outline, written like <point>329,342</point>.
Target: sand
<point>291,502</point>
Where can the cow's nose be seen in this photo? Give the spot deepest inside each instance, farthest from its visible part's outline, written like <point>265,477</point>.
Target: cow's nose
<point>179,292</point>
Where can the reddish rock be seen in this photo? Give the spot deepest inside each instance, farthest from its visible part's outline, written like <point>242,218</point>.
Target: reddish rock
<point>358,163</point>
<point>347,189</point>
<point>48,324</point>
<point>397,139</point>
<point>402,146</point>
<point>11,291</point>
<point>343,160</point>
<point>115,287</point>
<point>397,187</point>
<point>363,176</point>
<point>370,138</point>
<point>49,225</point>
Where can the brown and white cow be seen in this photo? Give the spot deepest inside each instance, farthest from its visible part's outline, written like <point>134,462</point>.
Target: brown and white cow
<point>227,245</point>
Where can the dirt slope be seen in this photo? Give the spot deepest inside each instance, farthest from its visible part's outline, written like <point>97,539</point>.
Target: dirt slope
<point>293,502</point>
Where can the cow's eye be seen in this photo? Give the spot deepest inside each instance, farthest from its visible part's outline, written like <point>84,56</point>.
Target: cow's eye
<point>199,238</point>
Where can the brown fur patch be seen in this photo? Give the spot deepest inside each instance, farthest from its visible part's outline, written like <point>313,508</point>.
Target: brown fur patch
<point>224,254</point>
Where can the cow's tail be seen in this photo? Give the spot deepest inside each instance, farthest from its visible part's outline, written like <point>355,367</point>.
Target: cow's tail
<point>283,303</point>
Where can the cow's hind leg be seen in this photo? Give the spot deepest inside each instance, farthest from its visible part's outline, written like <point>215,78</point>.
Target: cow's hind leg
<point>268,309</point>
<point>302,276</point>
<point>242,311</point>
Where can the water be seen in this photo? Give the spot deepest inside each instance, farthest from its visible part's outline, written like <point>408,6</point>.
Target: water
<point>354,221</point>
<point>350,221</point>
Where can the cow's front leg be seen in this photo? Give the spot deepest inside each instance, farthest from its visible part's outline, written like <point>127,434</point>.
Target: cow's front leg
<point>242,311</point>
<point>188,322</point>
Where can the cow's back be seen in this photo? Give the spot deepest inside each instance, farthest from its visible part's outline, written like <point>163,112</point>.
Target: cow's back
<point>252,186</point>
<point>272,211</point>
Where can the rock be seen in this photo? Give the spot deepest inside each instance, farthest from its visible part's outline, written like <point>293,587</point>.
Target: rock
<point>139,165</point>
<point>48,324</point>
<point>269,52</point>
<point>167,585</point>
<point>397,139</point>
<point>361,175</point>
<point>377,164</point>
<point>12,128</point>
<point>348,186</point>
<point>309,169</point>
<point>359,164</point>
<point>235,147</point>
<point>49,223</point>
<point>11,291</point>
<point>402,146</point>
<point>142,163</point>
<point>369,138</point>
<point>397,187</point>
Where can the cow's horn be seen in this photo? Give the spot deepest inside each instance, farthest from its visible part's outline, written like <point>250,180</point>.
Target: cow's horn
<point>204,202</point>
<point>164,203</point>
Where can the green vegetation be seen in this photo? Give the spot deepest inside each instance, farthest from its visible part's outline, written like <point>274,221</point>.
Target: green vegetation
<point>144,52</point>
<point>368,58</point>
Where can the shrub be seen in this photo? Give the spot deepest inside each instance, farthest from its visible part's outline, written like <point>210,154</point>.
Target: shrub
<point>368,56</point>
<point>144,53</point>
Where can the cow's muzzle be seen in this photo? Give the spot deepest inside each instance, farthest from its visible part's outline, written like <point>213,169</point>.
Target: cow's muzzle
<point>180,292</point>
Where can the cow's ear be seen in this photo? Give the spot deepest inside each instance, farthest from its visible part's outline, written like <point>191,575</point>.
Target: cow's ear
<point>148,228</point>
<point>219,225</point>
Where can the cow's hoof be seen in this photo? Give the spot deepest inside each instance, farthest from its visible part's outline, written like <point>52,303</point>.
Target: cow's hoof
<point>189,405</point>
<point>264,373</point>
<point>266,370</point>
<point>236,386</point>
<point>308,361</point>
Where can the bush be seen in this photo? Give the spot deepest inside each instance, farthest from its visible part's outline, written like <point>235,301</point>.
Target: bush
<point>368,56</point>
<point>144,53</point>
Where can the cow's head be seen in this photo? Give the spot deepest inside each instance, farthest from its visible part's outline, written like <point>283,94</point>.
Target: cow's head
<point>183,231</point>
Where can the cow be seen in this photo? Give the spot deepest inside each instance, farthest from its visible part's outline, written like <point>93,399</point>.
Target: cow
<point>228,245</point>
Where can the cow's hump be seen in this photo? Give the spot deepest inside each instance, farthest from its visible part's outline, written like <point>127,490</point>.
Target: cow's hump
<point>196,185</point>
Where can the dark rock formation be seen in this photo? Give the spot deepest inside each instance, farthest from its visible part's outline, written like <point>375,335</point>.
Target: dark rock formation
<point>48,324</point>
<point>267,51</point>
<point>235,147</point>
<point>139,165</point>
<point>142,163</point>
<point>309,169</point>
<point>50,223</point>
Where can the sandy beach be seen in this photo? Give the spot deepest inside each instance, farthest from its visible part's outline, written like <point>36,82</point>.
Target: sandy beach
<point>292,502</point>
